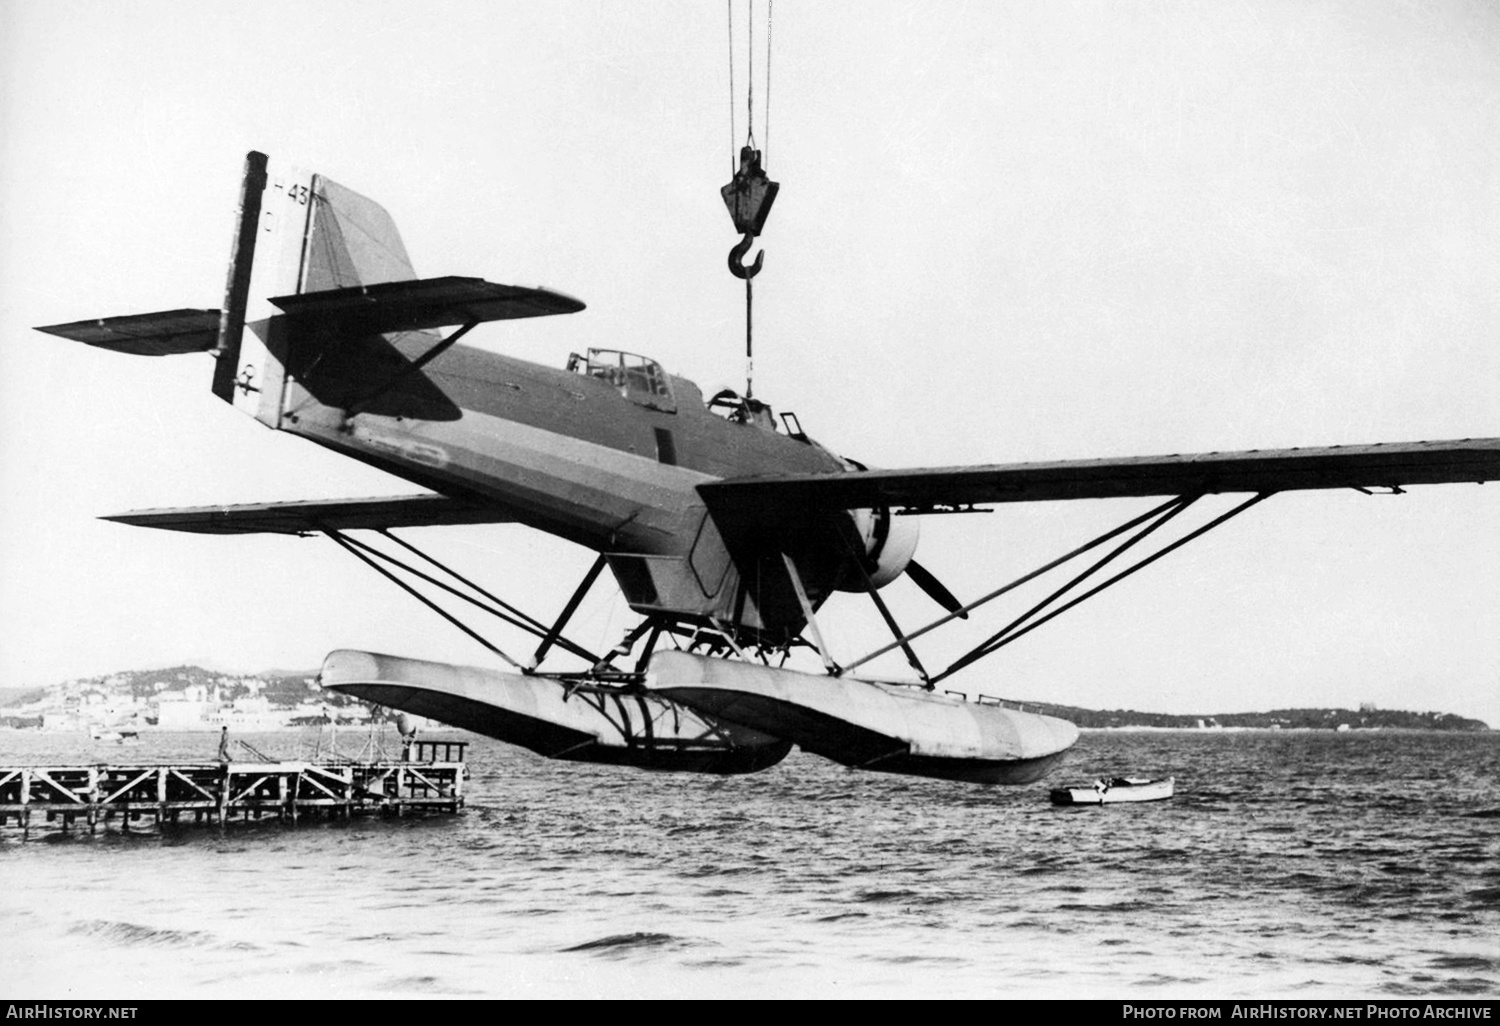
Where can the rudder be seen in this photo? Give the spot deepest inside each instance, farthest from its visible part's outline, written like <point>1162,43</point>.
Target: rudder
<point>296,232</point>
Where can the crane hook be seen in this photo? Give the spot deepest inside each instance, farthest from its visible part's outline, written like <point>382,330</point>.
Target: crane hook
<point>737,254</point>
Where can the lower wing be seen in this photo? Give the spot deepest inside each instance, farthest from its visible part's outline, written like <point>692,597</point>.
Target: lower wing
<point>314,516</point>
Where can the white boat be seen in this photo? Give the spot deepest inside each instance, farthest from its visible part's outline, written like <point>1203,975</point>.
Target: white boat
<point>1115,789</point>
<point>98,733</point>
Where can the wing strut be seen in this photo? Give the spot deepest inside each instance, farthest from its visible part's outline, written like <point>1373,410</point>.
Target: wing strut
<point>555,632</point>
<point>1152,520</point>
<point>410,369</point>
<point>1059,561</point>
<point>351,546</point>
<point>531,625</point>
<point>807,611</point>
<point>374,558</point>
<point>890,621</point>
<point>1014,630</point>
<point>1004,635</point>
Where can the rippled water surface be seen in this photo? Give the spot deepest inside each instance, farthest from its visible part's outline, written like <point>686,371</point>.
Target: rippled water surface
<point>1290,864</point>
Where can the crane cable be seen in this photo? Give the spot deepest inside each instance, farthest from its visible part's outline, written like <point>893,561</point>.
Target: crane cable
<point>749,80</point>
<point>766,145</point>
<point>750,193</point>
<point>750,75</point>
<point>732,135</point>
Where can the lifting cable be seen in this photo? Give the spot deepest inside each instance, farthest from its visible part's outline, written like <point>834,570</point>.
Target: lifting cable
<point>749,141</point>
<point>750,193</point>
<point>750,75</point>
<point>733,137</point>
<point>766,146</point>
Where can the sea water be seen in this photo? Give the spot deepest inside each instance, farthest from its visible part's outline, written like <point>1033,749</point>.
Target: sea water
<point>1290,864</point>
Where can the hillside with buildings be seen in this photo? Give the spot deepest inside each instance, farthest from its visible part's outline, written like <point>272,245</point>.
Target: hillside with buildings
<point>180,698</point>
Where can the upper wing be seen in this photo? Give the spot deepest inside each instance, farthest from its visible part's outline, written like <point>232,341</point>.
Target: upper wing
<point>1385,465</point>
<point>306,517</point>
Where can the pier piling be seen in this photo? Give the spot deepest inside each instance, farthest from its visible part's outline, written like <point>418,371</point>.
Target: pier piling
<point>218,791</point>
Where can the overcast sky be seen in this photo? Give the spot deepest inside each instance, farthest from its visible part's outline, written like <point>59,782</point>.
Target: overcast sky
<point>1005,232</point>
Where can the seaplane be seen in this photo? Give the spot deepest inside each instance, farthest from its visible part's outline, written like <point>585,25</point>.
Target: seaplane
<point>726,527</point>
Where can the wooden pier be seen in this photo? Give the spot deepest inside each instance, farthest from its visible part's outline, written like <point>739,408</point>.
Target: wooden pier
<point>224,792</point>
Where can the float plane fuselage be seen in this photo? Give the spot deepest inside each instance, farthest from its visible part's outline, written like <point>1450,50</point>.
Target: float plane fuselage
<point>725,528</point>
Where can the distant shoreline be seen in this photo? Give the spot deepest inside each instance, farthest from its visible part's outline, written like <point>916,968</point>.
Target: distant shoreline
<point>1123,729</point>
<point>190,698</point>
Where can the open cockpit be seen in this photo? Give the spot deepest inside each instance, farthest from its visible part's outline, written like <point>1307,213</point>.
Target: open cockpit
<point>732,406</point>
<point>643,381</point>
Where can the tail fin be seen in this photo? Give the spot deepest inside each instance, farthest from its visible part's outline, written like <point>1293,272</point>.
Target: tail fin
<point>297,232</point>
<point>320,268</point>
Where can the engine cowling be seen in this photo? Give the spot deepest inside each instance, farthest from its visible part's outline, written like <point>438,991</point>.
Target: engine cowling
<point>889,543</point>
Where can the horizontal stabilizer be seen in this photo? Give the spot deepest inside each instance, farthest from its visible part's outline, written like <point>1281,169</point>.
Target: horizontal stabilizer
<point>154,334</point>
<point>425,303</point>
<point>312,516</point>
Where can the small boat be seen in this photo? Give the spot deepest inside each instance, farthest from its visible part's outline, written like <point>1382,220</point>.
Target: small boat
<point>1114,789</point>
<point>121,737</point>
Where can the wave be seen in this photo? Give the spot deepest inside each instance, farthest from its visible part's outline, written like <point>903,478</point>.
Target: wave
<point>621,942</point>
<point>135,935</point>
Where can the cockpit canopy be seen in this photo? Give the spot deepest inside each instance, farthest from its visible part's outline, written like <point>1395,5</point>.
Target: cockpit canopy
<point>639,379</point>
